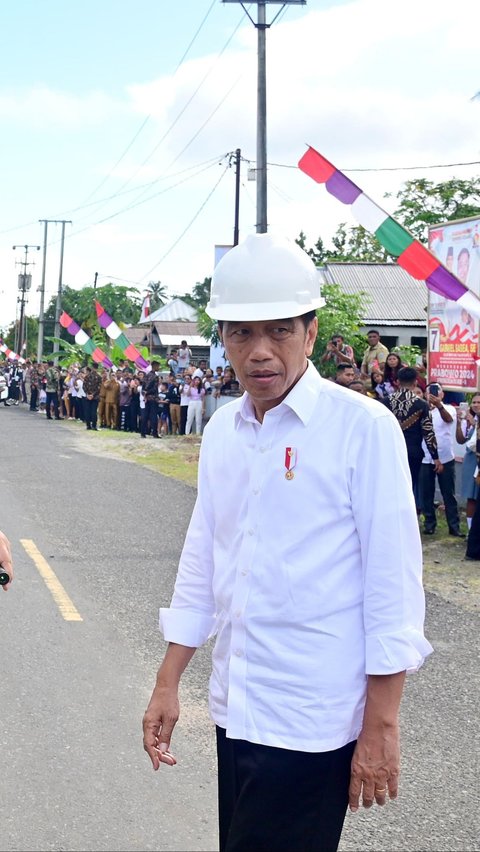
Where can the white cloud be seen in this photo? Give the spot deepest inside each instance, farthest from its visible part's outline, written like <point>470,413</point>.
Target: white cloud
<point>41,107</point>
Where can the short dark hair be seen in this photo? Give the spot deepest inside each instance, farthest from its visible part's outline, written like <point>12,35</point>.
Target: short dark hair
<point>155,364</point>
<point>373,331</point>
<point>337,337</point>
<point>50,363</point>
<point>342,367</point>
<point>407,375</point>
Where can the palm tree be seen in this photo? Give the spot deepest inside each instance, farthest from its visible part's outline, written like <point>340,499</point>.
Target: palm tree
<point>158,294</point>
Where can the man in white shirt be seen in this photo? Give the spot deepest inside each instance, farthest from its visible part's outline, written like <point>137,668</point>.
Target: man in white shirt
<point>288,560</point>
<point>184,356</point>
<point>444,418</point>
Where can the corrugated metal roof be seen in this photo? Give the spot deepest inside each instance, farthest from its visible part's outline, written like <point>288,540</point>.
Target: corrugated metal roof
<point>182,330</point>
<point>177,309</point>
<point>395,298</point>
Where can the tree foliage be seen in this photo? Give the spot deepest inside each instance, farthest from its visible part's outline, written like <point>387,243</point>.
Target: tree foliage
<point>421,204</point>
<point>200,294</point>
<point>341,314</point>
<point>122,303</point>
<point>158,294</point>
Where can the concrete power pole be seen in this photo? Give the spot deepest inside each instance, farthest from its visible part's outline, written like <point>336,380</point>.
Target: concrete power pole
<point>58,306</point>
<point>24,284</point>
<point>261,170</point>
<point>58,309</point>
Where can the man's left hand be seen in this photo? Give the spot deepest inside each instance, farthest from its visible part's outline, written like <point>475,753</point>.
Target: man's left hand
<point>375,767</point>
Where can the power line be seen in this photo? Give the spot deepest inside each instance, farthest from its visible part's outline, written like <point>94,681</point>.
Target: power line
<point>387,168</point>
<point>147,274</point>
<point>185,107</point>
<point>147,119</point>
<point>144,201</point>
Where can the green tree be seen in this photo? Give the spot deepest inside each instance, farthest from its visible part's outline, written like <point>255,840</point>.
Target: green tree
<point>158,294</point>
<point>341,314</point>
<point>31,325</point>
<point>200,294</point>
<point>355,245</point>
<point>317,253</point>
<point>423,203</point>
<point>122,303</point>
<point>208,327</point>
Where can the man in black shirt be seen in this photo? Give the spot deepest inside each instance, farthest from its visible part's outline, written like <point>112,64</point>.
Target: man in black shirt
<point>413,414</point>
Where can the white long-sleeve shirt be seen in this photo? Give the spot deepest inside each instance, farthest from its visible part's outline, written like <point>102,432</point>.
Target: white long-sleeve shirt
<point>310,583</point>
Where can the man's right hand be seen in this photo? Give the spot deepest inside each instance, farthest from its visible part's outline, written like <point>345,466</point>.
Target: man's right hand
<point>438,466</point>
<point>159,721</point>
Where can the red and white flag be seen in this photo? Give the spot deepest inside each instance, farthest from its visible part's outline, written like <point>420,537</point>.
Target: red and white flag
<point>145,309</point>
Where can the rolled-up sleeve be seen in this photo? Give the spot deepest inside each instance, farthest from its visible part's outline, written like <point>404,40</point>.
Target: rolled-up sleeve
<point>387,523</point>
<point>191,620</point>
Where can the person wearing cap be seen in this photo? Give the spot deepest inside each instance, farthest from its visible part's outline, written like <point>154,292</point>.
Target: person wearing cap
<point>288,562</point>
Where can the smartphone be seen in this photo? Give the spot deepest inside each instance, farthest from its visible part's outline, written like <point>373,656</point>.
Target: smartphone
<point>464,407</point>
<point>433,390</point>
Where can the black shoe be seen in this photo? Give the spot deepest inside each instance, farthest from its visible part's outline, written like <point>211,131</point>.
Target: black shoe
<point>429,532</point>
<point>457,533</point>
<point>89,427</point>
<point>471,558</point>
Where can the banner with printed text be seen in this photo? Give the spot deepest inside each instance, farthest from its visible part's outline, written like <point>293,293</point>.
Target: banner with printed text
<point>453,344</point>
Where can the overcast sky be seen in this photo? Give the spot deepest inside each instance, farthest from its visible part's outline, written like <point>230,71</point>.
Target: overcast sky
<point>120,116</point>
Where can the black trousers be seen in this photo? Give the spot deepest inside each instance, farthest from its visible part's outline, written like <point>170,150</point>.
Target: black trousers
<point>473,540</point>
<point>52,398</point>
<point>277,800</point>
<point>446,482</point>
<point>33,398</point>
<point>90,407</point>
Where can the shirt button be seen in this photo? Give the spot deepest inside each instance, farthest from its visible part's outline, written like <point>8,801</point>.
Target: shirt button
<point>238,653</point>
<point>256,491</point>
<point>244,572</point>
<point>238,613</point>
<point>263,449</point>
<point>251,532</point>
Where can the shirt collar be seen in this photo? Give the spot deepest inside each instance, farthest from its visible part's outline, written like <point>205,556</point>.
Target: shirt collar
<point>302,399</point>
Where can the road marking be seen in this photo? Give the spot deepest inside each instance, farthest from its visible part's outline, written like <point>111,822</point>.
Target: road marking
<point>53,584</point>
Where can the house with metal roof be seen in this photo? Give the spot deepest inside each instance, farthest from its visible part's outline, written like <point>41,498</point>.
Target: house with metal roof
<point>166,327</point>
<point>395,303</point>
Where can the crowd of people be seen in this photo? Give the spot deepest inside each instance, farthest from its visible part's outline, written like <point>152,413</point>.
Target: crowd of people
<point>181,399</point>
<point>153,403</point>
<point>432,421</point>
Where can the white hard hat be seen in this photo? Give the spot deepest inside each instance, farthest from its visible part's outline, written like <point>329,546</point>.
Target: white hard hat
<point>265,277</point>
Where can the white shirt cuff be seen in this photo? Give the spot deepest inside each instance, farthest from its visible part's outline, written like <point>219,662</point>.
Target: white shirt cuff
<point>185,627</point>
<point>396,652</point>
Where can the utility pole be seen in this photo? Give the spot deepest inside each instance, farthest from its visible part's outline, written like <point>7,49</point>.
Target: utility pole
<point>58,306</point>
<point>41,314</point>
<point>24,284</point>
<point>237,197</point>
<point>261,170</point>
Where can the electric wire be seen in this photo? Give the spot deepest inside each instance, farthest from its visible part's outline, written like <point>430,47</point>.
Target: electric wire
<point>185,107</point>
<point>195,217</point>
<point>135,204</point>
<point>148,117</point>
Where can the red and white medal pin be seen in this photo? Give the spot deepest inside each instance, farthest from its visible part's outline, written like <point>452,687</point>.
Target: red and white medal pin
<point>290,461</point>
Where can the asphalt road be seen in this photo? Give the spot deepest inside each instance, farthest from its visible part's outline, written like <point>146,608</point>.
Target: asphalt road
<point>73,772</point>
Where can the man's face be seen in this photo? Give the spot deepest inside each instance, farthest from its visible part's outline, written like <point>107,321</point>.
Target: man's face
<point>346,376</point>
<point>462,266</point>
<point>268,357</point>
<point>373,339</point>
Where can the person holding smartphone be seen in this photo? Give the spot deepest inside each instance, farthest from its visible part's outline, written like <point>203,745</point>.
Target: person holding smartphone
<point>444,425</point>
